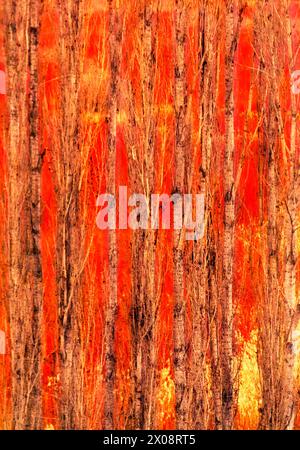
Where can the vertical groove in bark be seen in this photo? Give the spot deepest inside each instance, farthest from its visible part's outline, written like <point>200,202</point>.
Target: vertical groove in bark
<point>181,140</point>
<point>24,167</point>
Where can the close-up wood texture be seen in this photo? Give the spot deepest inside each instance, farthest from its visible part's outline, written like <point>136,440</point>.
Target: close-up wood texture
<point>137,327</point>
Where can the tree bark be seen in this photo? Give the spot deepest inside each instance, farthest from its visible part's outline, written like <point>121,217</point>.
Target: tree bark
<point>115,39</point>
<point>24,212</point>
<point>229,223</point>
<point>291,255</point>
<point>280,312</point>
<point>181,141</point>
<point>69,237</point>
<point>142,177</point>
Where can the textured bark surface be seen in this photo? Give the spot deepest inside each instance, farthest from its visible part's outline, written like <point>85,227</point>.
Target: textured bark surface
<point>280,314</point>
<point>181,143</point>
<point>69,236</point>
<point>115,42</point>
<point>292,203</point>
<point>24,184</point>
<point>144,329</point>
<point>229,223</point>
<point>142,178</point>
<point>199,289</point>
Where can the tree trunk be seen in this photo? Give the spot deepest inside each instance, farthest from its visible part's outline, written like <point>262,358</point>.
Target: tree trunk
<point>181,141</point>
<point>280,313</point>
<point>115,39</point>
<point>142,178</point>
<point>198,271</point>
<point>69,237</point>
<point>229,224</point>
<point>291,256</point>
<point>24,183</point>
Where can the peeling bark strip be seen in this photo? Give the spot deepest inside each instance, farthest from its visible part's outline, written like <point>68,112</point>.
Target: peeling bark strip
<point>115,43</point>
<point>24,183</point>
<point>181,142</point>
<point>69,238</point>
